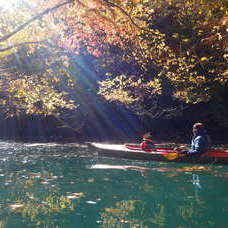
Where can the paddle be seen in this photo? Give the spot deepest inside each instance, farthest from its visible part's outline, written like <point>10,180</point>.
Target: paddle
<point>171,156</point>
<point>174,155</point>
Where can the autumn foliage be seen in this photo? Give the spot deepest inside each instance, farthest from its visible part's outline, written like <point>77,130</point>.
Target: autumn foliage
<point>168,47</point>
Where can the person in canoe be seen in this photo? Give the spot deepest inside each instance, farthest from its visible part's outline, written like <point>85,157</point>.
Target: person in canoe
<point>200,141</point>
<point>147,142</point>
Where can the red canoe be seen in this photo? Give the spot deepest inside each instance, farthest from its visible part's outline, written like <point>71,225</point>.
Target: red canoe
<point>133,151</point>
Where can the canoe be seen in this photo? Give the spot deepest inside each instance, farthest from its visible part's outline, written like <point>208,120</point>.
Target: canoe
<point>133,151</point>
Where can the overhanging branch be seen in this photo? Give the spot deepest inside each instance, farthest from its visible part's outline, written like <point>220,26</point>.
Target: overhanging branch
<point>38,16</point>
<point>21,44</point>
<point>127,15</point>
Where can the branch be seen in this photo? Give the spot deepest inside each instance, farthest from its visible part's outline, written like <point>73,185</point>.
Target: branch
<point>127,14</point>
<point>123,11</point>
<point>38,16</point>
<point>20,44</point>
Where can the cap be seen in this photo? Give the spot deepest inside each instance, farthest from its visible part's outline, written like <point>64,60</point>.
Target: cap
<point>198,125</point>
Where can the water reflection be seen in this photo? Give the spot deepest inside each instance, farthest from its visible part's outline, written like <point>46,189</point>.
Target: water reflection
<point>119,215</point>
<point>51,185</point>
<point>144,170</point>
<point>191,204</point>
<point>34,195</point>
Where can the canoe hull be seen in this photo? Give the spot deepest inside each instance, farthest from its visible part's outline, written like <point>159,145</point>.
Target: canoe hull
<point>121,151</point>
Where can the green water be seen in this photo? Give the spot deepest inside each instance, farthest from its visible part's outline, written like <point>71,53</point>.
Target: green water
<point>54,186</point>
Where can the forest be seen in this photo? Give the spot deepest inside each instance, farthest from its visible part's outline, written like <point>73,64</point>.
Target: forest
<point>79,70</point>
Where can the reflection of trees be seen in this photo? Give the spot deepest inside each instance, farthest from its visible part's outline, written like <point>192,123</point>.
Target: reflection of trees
<point>186,211</point>
<point>119,216</point>
<point>50,207</point>
<point>193,215</point>
<point>165,204</point>
<point>3,223</point>
<point>37,199</point>
<point>159,216</point>
<point>129,213</point>
<point>192,210</point>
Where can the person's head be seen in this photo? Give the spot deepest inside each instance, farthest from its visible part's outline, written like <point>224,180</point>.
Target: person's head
<point>197,127</point>
<point>147,137</point>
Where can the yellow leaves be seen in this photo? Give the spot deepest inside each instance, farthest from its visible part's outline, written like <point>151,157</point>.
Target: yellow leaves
<point>20,94</point>
<point>129,89</point>
<point>186,40</point>
<point>223,77</point>
<point>128,25</point>
<point>38,30</point>
<point>199,79</point>
<point>225,56</point>
<point>2,102</point>
<point>200,32</point>
<point>115,89</point>
<point>178,62</point>
<point>175,35</point>
<point>203,59</point>
<point>192,95</point>
<point>156,85</point>
<point>32,95</point>
<point>121,96</point>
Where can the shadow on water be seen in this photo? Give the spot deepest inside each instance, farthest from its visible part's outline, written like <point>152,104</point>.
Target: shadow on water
<point>67,185</point>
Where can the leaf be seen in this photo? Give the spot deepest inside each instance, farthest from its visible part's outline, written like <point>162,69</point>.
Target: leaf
<point>204,59</point>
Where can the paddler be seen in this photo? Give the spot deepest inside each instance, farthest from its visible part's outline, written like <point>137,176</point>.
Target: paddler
<point>147,142</point>
<point>200,140</point>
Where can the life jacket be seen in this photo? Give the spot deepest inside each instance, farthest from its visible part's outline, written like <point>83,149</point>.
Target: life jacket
<point>200,142</point>
<point>147,144</point>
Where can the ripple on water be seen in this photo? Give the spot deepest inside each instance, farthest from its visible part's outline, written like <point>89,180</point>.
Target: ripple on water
<point>60,185</point>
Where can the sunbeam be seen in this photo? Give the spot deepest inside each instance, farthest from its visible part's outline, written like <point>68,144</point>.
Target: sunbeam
<point>10,4</point>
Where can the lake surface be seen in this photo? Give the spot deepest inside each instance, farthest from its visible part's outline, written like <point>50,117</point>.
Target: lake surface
<point>68,186</point>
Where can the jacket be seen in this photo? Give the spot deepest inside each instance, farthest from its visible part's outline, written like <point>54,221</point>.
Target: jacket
<point>147,144</point>
<point>200,143</point>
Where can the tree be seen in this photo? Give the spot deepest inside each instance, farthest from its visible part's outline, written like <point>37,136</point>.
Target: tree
<point>35,83</point>
<point>172,58</point>
<point>34,79</point>
<point>174,61</point>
